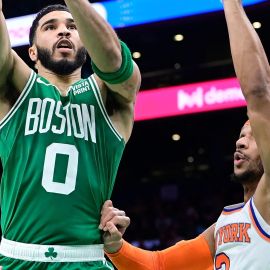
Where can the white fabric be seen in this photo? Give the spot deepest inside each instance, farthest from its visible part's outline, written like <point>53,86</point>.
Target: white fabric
<point>51,253</point>
<point>240,243</point>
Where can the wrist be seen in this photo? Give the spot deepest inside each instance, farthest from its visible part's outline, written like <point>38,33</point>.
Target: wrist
<point>113,247</point>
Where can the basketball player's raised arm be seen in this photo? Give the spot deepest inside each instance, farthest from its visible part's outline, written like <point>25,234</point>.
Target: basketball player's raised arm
<point>252,69</point>
<point>5,51</point>
<point>11,66</point>
<point>196,254</point>
<point>105,50</point>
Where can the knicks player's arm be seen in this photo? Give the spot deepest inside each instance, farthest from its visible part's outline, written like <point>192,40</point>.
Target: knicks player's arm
<point>14,73</point>
<point>196,254</point>
<point>104,48</point>
<point>253,71</point>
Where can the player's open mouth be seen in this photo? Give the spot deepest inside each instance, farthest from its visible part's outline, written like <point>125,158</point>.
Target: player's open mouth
<point>239,158</point>
<point>64,44</point>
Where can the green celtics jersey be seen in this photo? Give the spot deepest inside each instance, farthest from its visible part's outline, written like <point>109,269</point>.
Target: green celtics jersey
<point>60,157</point>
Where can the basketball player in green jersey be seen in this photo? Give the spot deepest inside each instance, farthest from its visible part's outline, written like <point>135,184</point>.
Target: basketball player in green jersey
<point>62,137</point>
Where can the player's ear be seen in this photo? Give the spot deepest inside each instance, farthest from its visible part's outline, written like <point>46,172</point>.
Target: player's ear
<point>33,53</point>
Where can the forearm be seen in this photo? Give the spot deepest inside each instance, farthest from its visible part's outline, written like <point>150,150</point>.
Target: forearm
<point>250,62</point>
<point>6,56</point>
<point>188,255</point>
<point>194,254</point>
<point>97,35</point>
<point>5,47</point>
<point>133,258</point>
<point>252,69</point>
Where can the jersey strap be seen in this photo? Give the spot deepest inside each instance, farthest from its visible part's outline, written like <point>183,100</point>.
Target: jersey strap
<point>228,210</point>
<point>260,225</point>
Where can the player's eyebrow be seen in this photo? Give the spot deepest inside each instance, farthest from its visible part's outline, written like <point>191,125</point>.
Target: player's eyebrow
<point>48,22</point>
<point>69,20</point>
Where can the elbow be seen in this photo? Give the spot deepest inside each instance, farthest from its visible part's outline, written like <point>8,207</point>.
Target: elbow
<point>258,98</point>
<point>255,79</point>
<point>258,91</point>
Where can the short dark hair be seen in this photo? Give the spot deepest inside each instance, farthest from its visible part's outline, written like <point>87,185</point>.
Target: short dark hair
<point>42,13</point>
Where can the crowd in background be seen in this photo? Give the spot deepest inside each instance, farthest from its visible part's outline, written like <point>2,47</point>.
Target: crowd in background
<point>165,212</point>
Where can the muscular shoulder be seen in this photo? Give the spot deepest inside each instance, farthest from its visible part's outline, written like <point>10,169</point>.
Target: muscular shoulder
<point>10,93</point>
<point>8,97</point>
<point>119,110</point>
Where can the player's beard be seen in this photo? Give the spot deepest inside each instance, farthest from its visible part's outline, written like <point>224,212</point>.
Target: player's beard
<point>64,66</point>
<point>249,176</point>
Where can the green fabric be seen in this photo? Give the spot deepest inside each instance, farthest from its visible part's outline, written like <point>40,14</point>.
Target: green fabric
<point>123,73</point>
<point>11,264</point>
<point>60,157</point>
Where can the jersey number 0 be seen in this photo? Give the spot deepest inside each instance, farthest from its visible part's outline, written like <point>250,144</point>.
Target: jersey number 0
<point>48,181</point>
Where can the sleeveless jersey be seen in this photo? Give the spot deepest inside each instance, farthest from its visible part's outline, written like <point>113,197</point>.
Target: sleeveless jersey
<point>242,239</point>
<point>60,157</point>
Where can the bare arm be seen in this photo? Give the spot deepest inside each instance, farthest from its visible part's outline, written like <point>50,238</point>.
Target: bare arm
<point>5,51</point>
<point>104,49</point>
<point>14,73</point>
<point>252,69</point>
<point>103,46</point>
<point>195,254</point>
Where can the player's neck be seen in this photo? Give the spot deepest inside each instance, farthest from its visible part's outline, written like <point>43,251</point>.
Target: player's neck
<point>249,190</point>
<point>62,82</point>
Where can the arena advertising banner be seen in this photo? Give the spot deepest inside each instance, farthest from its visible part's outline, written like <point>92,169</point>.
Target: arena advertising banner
<point>190,98</point>
<point>125,13</point>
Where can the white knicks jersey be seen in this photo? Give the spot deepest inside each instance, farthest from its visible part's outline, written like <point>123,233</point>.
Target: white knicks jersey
<point>242,239</point>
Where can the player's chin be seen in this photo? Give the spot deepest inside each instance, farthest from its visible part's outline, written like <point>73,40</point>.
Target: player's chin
<point>68,56</point>
<point>64,54</point>
<point>64,57</point>
<point>239,170</point>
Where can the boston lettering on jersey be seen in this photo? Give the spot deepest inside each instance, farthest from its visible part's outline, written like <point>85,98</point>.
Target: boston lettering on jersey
<point>235,232</point>
<point>76,120</point>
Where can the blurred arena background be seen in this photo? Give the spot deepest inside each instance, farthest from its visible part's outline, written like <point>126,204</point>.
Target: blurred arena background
<point>174,189</point>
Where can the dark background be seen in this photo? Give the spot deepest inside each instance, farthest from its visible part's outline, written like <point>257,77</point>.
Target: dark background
<point>167,196</point>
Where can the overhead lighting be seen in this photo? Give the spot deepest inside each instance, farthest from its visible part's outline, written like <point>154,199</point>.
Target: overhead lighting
<point>257,25</point>
<point>136,55</point>
<point>177,66</point>
<point>178,37</point>
<point>176,137</point>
